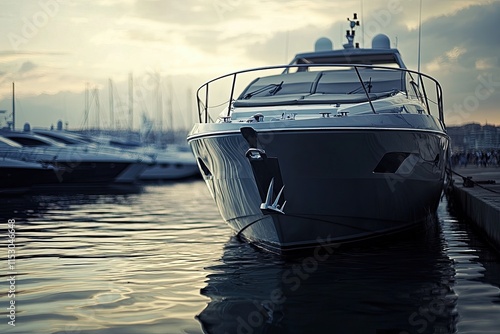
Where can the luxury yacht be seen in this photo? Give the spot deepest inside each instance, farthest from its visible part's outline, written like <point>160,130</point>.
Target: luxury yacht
<point>19,174</point>
<point>175,162</point>
<point>80,165</point>
<point>172,163</point>
<point>338,146</point>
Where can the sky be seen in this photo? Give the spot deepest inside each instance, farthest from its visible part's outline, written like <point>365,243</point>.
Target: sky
<point>60,51</point>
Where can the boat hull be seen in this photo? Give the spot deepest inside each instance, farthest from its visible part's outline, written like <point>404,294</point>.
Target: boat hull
<point>340,184</point>
<point>89,172</point>
<point>132,173</point>
<point>18,176</point>
<point>169,171</point>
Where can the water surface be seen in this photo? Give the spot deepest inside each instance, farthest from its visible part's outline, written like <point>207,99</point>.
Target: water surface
<point>162,261</point>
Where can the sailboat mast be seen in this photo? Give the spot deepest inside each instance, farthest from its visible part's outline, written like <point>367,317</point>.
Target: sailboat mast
<point>159,108</point>
<point>131,102</point>
<point>170,112</point>
<point>98,108</point>
<point>189,107</point>
<point>87,107</point>
<point>111,105</point>
<point>13,107</point>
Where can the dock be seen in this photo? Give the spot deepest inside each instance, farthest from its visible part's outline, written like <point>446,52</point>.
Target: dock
<point>479,198</point>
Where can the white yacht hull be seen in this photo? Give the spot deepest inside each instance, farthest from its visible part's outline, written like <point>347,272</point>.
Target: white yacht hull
<point>132,173</point>
<point>335,186</point>
<point>171,164</point>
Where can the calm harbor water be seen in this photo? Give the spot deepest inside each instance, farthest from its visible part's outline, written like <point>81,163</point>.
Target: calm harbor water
<point>162,261</point>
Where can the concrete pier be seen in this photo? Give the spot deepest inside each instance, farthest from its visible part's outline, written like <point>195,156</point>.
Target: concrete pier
<point>480,205</point>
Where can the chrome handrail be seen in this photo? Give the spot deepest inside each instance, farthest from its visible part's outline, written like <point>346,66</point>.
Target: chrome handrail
<point>203,104</point>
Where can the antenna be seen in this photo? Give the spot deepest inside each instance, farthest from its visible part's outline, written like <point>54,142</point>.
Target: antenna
<point>419,36</point>
<point>362,27</point>
<point>351,33</point>
<point>13,107</point>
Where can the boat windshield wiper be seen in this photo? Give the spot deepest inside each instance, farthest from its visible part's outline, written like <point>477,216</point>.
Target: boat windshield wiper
<point>367,84</point>
<point>274,88</point>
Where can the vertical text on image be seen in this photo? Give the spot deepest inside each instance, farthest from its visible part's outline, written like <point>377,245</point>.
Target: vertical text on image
<point>11,273</point>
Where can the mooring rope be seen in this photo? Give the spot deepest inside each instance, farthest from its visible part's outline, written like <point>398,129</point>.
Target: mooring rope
<point>468,180</point>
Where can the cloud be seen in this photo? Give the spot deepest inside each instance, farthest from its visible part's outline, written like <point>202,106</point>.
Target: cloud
<point>10,55</point>
<point>27,67</point>
<point>487,63</point>
<point>473,28</point>
<point>192,12</point>
<point>92,41</point>
<point>461,51</point>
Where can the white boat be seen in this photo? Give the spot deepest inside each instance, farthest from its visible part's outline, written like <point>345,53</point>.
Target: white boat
<point>77,165</point>
<point>173,162</point>
<point>144,161</point>
<point>338,146</point>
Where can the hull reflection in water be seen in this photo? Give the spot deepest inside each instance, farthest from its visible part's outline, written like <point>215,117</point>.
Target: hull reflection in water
<point>401,287</point>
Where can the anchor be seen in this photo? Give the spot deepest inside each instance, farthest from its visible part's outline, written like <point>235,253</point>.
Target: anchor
<point>267,174</point>
<point>273,207</point>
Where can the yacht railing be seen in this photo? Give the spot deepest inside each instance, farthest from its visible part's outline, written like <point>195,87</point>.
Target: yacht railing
<point>27,155</point>
<point>75,152</point>
<point>412,84</point>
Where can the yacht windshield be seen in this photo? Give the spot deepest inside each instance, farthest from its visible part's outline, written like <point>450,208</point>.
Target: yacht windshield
<point>367,85</point>
<point>271,89</point>
<point>5,142</point>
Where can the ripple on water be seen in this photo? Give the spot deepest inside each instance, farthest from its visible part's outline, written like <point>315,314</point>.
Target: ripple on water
<point>477,278</point>
<point>162,261</point>
<point>120,263</point>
